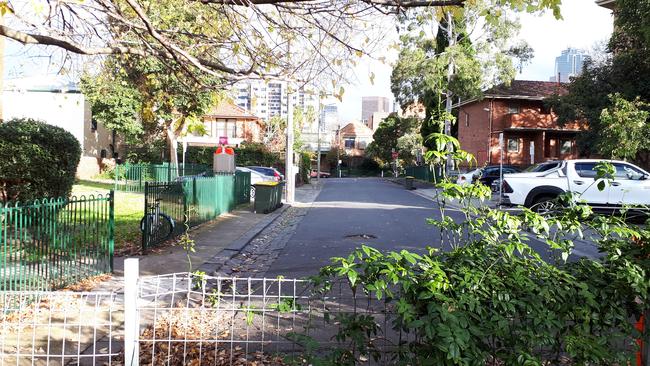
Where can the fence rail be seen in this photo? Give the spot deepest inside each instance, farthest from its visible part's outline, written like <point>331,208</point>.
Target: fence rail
<point>51,243</point>
<point>193,201</point>
<point>132,177</point>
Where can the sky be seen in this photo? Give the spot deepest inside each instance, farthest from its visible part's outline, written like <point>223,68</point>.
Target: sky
<point>584,24</point>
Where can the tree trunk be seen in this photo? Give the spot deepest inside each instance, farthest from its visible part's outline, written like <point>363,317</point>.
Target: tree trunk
<point>2,64</point>
<point>172,140</point>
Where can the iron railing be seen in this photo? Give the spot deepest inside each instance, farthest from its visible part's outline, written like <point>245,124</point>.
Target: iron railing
<point>131,177</point>
<point>191,201</point>
<point>51,243</point>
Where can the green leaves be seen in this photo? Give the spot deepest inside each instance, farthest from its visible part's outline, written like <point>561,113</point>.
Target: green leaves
<point>625,130</point>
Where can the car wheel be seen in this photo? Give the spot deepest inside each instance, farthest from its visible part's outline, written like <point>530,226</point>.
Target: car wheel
<point>544,205</point>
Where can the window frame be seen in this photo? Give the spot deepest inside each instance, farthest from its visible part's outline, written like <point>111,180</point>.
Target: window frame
<point>514,108</point>
<point>562,142</point>
<point>579,171</point>
<point>349,139</point>
<point>508,140</point>
<point>626,177</point>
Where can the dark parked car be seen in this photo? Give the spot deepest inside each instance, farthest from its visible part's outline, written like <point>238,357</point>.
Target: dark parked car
<point>540,167</point>
<point>490,173</point>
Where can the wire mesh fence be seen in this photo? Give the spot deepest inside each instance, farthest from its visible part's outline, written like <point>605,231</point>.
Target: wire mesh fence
<point>203,320</point>
<point>59,328</point>
<point>194,319</point>
<point>188,319</point>
<point>51,243</point>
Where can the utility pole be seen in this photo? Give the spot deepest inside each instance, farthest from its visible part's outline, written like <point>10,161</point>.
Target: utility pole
<point>320,120</point>
<point>290,176</point>
<point>338,150</point>
<point>450,74</point>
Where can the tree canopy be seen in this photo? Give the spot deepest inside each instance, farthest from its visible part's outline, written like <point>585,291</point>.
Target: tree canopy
<point>625,72</point>
<point>465,55</point>
<point>397,133</point>
<point>229,39</point>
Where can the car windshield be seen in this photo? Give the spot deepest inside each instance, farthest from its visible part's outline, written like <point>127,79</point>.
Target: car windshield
<point>542,167</point>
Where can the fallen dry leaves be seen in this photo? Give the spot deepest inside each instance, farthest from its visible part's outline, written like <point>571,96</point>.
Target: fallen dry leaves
<point>196,336</point>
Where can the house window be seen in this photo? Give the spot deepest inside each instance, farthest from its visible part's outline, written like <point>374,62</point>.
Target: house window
<point>227,129</point>
<point>349,142</point>
<point>231,129</point>
<point>513,108</point>
<point>566,146</point>
<point>93,125</point>
<point>513,145</point>
<point>362,145</point>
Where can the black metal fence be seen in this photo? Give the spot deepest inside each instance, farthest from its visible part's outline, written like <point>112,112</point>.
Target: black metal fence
<point>189,202</point>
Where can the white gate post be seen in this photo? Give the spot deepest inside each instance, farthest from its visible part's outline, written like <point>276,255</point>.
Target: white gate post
<point>131,318</point>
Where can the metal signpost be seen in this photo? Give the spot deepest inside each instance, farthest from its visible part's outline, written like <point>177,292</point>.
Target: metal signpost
<point>501,167</point>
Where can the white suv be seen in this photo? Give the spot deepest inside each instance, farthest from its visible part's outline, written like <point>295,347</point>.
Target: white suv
<point>630,185</point>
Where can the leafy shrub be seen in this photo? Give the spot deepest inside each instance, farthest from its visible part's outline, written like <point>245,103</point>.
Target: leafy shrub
<point>488,298</point>
<point>36,160</point>
<point>249,154</point>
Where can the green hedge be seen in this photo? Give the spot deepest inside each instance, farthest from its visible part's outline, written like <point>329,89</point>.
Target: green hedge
<point>36,160</point>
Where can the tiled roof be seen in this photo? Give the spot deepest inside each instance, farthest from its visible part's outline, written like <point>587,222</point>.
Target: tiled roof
<point>356,129</point>
<point>527,88</point>
<point>227,109</point>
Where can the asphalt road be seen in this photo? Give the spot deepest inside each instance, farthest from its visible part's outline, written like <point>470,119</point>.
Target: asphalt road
<point>350,212</point>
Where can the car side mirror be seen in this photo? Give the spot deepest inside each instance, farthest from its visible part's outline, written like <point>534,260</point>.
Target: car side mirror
<point>645,177</point>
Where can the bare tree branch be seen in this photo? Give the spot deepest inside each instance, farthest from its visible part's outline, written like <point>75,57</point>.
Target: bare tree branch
<point>388,3</point>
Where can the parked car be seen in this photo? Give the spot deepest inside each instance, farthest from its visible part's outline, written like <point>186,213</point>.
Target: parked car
<point>268,171</point>
<point>485,175</point>
<point>314,174</point>
<point>540,167</point>
<point>256,177</point>
<point>536,190</point>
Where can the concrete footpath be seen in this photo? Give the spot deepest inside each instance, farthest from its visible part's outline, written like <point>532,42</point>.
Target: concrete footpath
<point>215,242</point>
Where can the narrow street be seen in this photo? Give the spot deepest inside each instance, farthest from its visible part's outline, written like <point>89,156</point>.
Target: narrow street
<point>350,212</point>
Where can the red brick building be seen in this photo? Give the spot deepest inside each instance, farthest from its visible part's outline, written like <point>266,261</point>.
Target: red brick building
<point>530,130</point>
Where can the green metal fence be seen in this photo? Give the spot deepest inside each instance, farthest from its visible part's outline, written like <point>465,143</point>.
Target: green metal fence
<point>194,201</point>
<point>131,177</point>
<point>425,173</point>
<point>51,243</point>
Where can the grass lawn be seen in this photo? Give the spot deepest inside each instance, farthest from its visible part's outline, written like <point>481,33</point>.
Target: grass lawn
<point>128,212</point>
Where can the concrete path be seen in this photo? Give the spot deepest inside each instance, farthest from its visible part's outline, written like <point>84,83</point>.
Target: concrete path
<point>215,242</point>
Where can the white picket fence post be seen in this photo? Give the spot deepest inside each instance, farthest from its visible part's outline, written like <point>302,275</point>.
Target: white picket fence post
<point>131,316</point>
